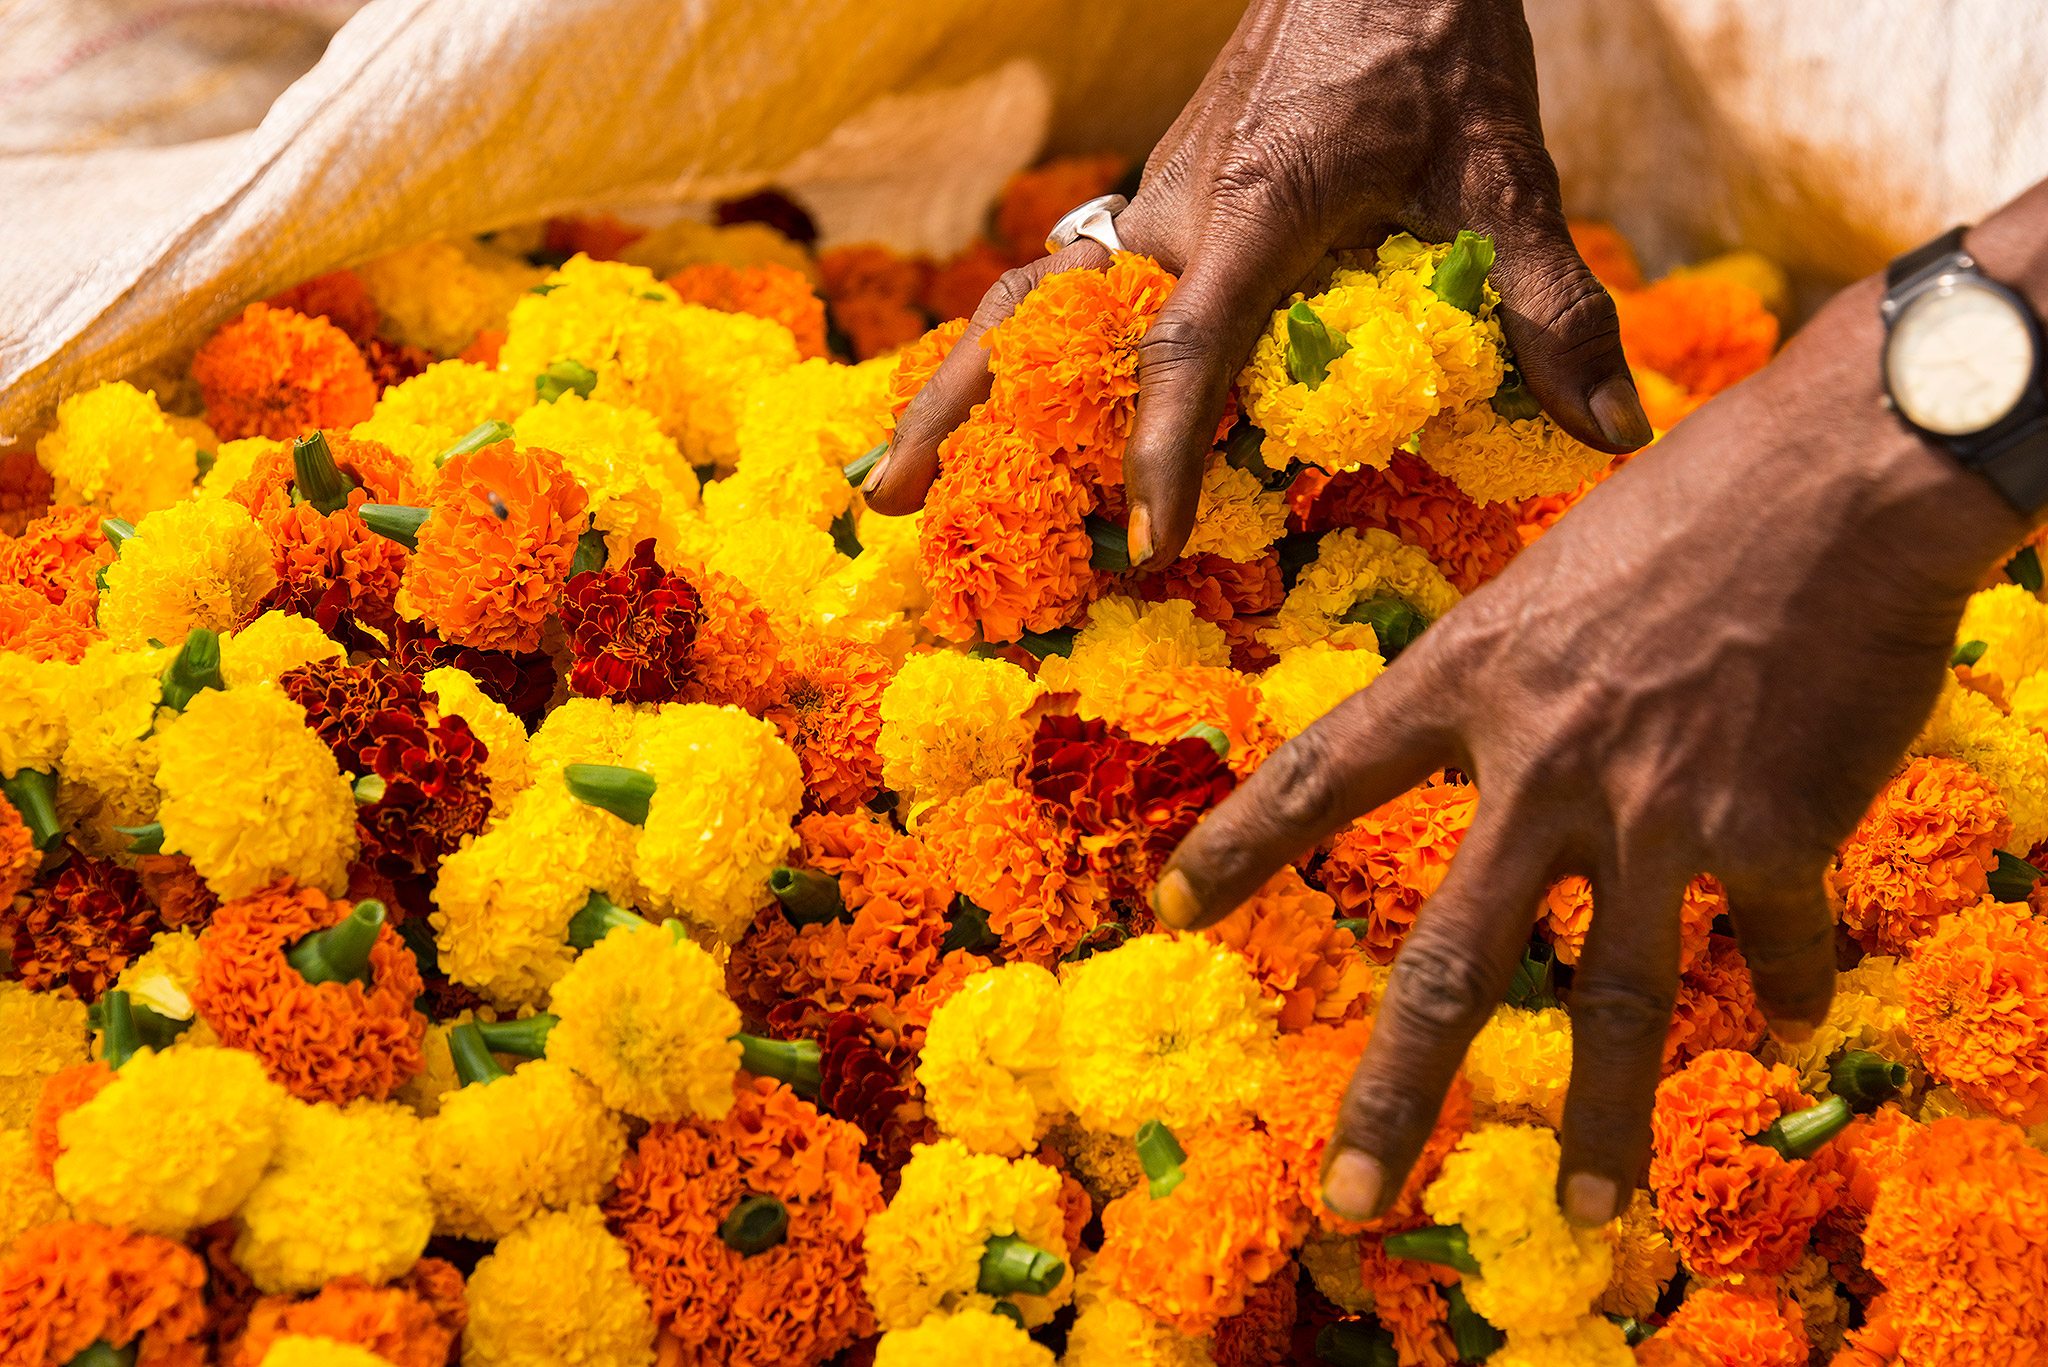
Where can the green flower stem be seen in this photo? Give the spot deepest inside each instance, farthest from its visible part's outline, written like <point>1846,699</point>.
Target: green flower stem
<point>1218,742</point>
<point>1009,1311</point>
<point>1357,925</point>
<point>526,1037</point>
<point>846,535</point>
<point>756,1224</point>
<point>600,917</point>
<point>1393,620</point>
<point>1044,643</point>
<point>1112,553</point>
<point>2024,569</point>
<point>860,467</point>
<point>1460,281</point>
<point>398,522</point>
<point>1161,1156</point>
<point>1534,986</point>
<point>1476,1338</point>
<point>340,953</point>
<point>590,553</point>
<point>1443,1244</point>
<point>104,1354</point>
<point>1865,1080</point>
<point>1802,1133</point>
<point>1011,1267</point>
<point>117,532</point>
<point>794,1061</point>
<point>316,479</point>
<point>625,793</point>
<point>144,839</point>
<point>196,667</point>
<point>564,377</point>
<point>34,794</point>
<point>1356,1343</point>
<point>1632,1329</point>
<point>808,897</point>
<point>1513,400</point>
<point>476,439</point>
<point>157,1031</point>
<point>1312,345</point>
<point>119,1039</point>
<point>473,1061</point>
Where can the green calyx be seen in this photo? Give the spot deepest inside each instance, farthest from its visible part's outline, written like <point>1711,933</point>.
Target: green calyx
<point>473,1061</point>
<point>1632,1329</point>
<point>794,1061</point>
<point>119,1037</point>
<point>1044,643</point>
<point>625,793</point>
<point>1968,653</point>
<point>1513,400</point>
<point>1009,1311</point>
<point>1393,620</point>
<point>144,839</point>
<point>526,1037</point>
<point>1161,1156</point>
<point>316,479</point>
<point>156,1031</point>
<point>104,1354</point>
<point>1443,1244</point>
<point>808,897</point>
<point>1312,346</point>
<point>861,466</point>
<point>117,532</point>
<point>1112,553</point>
<point>1218,742</point>
<point>1865,1080</point>
<point>195,667</point>
<point>968,929</point>
<point>1356,1343</point>
<point>590,553</point>
<point>340,953</point>
<point>1534,987</point>
<point>1461,280</point>
<point>845,535</point>
<point>1357,925</point>
<point>1474,1336</point>
<point>599,917</point>
<point>476,439</point>
<point>398,522</point>
<point>1803,1133</point>
<point>34,794</point>
<point>564,377</point>
<point>2024,569</point>
<point>1011,1267</point>
<point>756,1224</point>
<point>2013,879</point>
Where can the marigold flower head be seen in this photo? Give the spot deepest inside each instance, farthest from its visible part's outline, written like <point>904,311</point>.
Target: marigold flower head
<point>970,1335</point>
<point>114,449</point>
<point>337,296</point>
<point>1977,1006</point>
<point>112,747</point>
<point>1310,680</point>
<point>456,694</point>
<point>1716,1007</point>
<point>37,629</point>
<point>1470,542</point>
<point>742,243</point>
<point>1161,707</point>
<point>162,978</point>
<point>815,416</point>
<point>1723,1326</point>
<point>413,1322</point>
<point>1287,933</point>
<point>960,282</point>
<point>780,562</point>
<point>1606,253</point>
<point>277,373</point>
<point>63,1092</point>
<point>19,857</point>
<point>1351,569</point>
<point>873,294</point>
<point>200,563</point>
<point>76,933</point>
<point>448,399</point>
<point>1921,852</point>
<point>1520,1064</point>
<point>1704,331</point>
<point>1028,874</point>
<point>496,1155</point>
<point>989,1059</point>
<point>67,1286</point>
<point>1163,1028</point>
<point>56,554</point>
<point>558,1289</point>
<point>439,295</point>
<point>27,1196</point>
<point>763,289</point>
<point>830,713</point>
<point>1124,640</point>
<point>951,722</point>
<point>1566,915</point>
<point>275,642</point>
<point>1262,1333</point>
<point>1387,863</point>
<point>1496,459</point>
<point>630,630</point>
<point>1236,517</point>
<point>1868,1013</point>
<point>40,1033</point>
<point>633,473</point>
<point>1644,1261</point>
<point>1592,1341</point>
<point>1113,1332</point>
<point>917,362</point>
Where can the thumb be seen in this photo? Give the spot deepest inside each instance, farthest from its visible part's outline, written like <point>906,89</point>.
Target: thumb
<point>1565,334</point>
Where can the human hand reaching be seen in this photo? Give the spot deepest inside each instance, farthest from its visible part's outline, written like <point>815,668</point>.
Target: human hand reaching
<point>1324,124</point>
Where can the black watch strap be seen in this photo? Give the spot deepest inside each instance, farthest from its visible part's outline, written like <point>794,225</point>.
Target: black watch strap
<point>1904,268</point>
<point>2019,467</point>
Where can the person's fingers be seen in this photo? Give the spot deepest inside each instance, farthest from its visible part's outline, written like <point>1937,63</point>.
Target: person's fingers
<point>1788,939</point>
<point>1370,748</point>
<point>897,485</point>
<point>1621,999</point>
<point>1451,972</point>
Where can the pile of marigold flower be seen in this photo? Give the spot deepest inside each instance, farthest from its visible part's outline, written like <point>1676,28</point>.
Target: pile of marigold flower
<point>504,859</point>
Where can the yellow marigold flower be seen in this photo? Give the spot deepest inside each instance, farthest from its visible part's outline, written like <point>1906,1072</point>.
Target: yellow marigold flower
<point>200,563</point>
<point>665,251</point>
<point>874,598</point>
<point>1124,639</point>
<point>1237,517</point>
<point>1310,680</point>
<point>251,795</point>
<point>977,1336</point>
<point>112,743</point>
<point>177,1140</point>
<point>1538,1274</point>
<point>113,448</point>
<point>1168,1029</point>
<point>1519,1066</point>
<point>232,463</point>
<point>1352,568</point>
<point>817,411</point>
<point>1466,348</point>
<point>270,645</point>
<point>305,1350</point>
<point>645,1017</point>
<point>780,561</point>
<point>33,725</point>
<point>924,1252</point>
<point>1112,1332</point>
<point>498,1154</point>
<point>2013,625</point>
<point>1496,460</point>
<point>457,396</point>
<point>582,731</point>
<point>27,1198</point>
<point>685,364</point>
<point>504,735</point>
<point>1333,1265</point>
<point>2030,702</point>
<point>40,1033</point>
<point>989,1059</point>
<point>1868,1013</point>
<point>558,1290</point>
<point>1968,726</point>
<point>439,295</point>
<point>631,470</point>
<point>799,491</point>
<point>1644,1261</point>
<point>1591,1341</point>
<point>951,722</point>
<point>345,1196</point>
<point>726,789</point>
<point>161,978</point>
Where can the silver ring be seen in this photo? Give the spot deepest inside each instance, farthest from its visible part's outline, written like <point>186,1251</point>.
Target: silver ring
<point>1095,220</point>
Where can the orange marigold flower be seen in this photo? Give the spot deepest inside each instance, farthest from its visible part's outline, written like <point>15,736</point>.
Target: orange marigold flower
<point>1288,933</point>
<point>1470,542</point>
<point>1607,254</point>
<point>1727,1326</point>
<point>1388,861</point>
<point>75,935</point>
<point>1160,707</point>
<point>737,658</point>
<point>37,629</point>
<point>19,857</point>
<point>1261,1334</point>
<point>1716,1006</point>
<point>68,1285</point>
<point>916,362</point>
<point>320,1041</point>
<point>1728,1204</point>
<point>1036,199</point>
<point>277,373</point>
<point>25,488</point>
<point>1959,1237</point>
<point>413,1322</point>
<point>1220,589</point>
<point>1867,1152</point>
<point>64,1091</point>
<point>1921,852</point>
<point>340,298</point>
<point>1010,858</point>
<point>795,1302</point>
<point>1977,1007</point>
<point>57,554</point>
<point>174,887</point>
<point>1002,543</point>
<point>765,290</point>
<point>487,578</point>
<point>1192,1257</point>
<point>873,294</point>
<point>956,288</point>
<point>1567,914</point>
<point>830,712</point>
<point>600,237</point>
<point>484,350</point>
<point>899,896</point>
<point>1407,1301</point>
<point>1703,332</point>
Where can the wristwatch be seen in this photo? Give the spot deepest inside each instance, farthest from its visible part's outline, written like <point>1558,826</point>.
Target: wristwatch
<point>1963,367</point>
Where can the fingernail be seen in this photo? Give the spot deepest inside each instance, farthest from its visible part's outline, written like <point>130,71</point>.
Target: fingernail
<point>1789,1031</point>
<point>1138,537</point>
<point>1351,1186</point>
<point>1173,900</point>
<point>1619,411</point>
<point>1588,1199</point>
<point>874,479</point>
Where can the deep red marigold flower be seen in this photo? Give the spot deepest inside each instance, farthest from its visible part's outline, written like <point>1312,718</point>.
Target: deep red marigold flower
<point>871,1083</point>
<point>773,208</point>
<point>76,934</point>
<point>600,237</point>
<point>1260,1334</point>
<point>277,373</point>
<point>522,683</point>
<point>1470,542</point>
<point>631,630</point>
<point>394,362</point>
<point>180,895</point>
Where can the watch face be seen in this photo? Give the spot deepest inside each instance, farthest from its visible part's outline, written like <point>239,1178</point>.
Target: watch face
<point>1959,358</point>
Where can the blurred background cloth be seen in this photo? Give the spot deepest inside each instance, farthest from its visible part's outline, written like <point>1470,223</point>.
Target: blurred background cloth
<point>164,163</point>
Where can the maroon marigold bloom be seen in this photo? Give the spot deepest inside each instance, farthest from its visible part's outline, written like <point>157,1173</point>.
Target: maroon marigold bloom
<point>630,630</point>
<point>75,934</point>
<point>394,362</point>
<point>522,684</point>
<point>874,1085</point>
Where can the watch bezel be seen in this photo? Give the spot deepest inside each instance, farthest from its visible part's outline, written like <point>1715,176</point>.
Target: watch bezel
<point>1958,269</point>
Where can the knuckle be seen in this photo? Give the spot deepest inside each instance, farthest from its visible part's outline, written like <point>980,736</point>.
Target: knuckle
<point>1440,990</point>
<point>1176,341</point>
<point>1003,297</point>
<point>1386,1116</point>
<point>1303,794</point>
<point>1621,1017</point>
